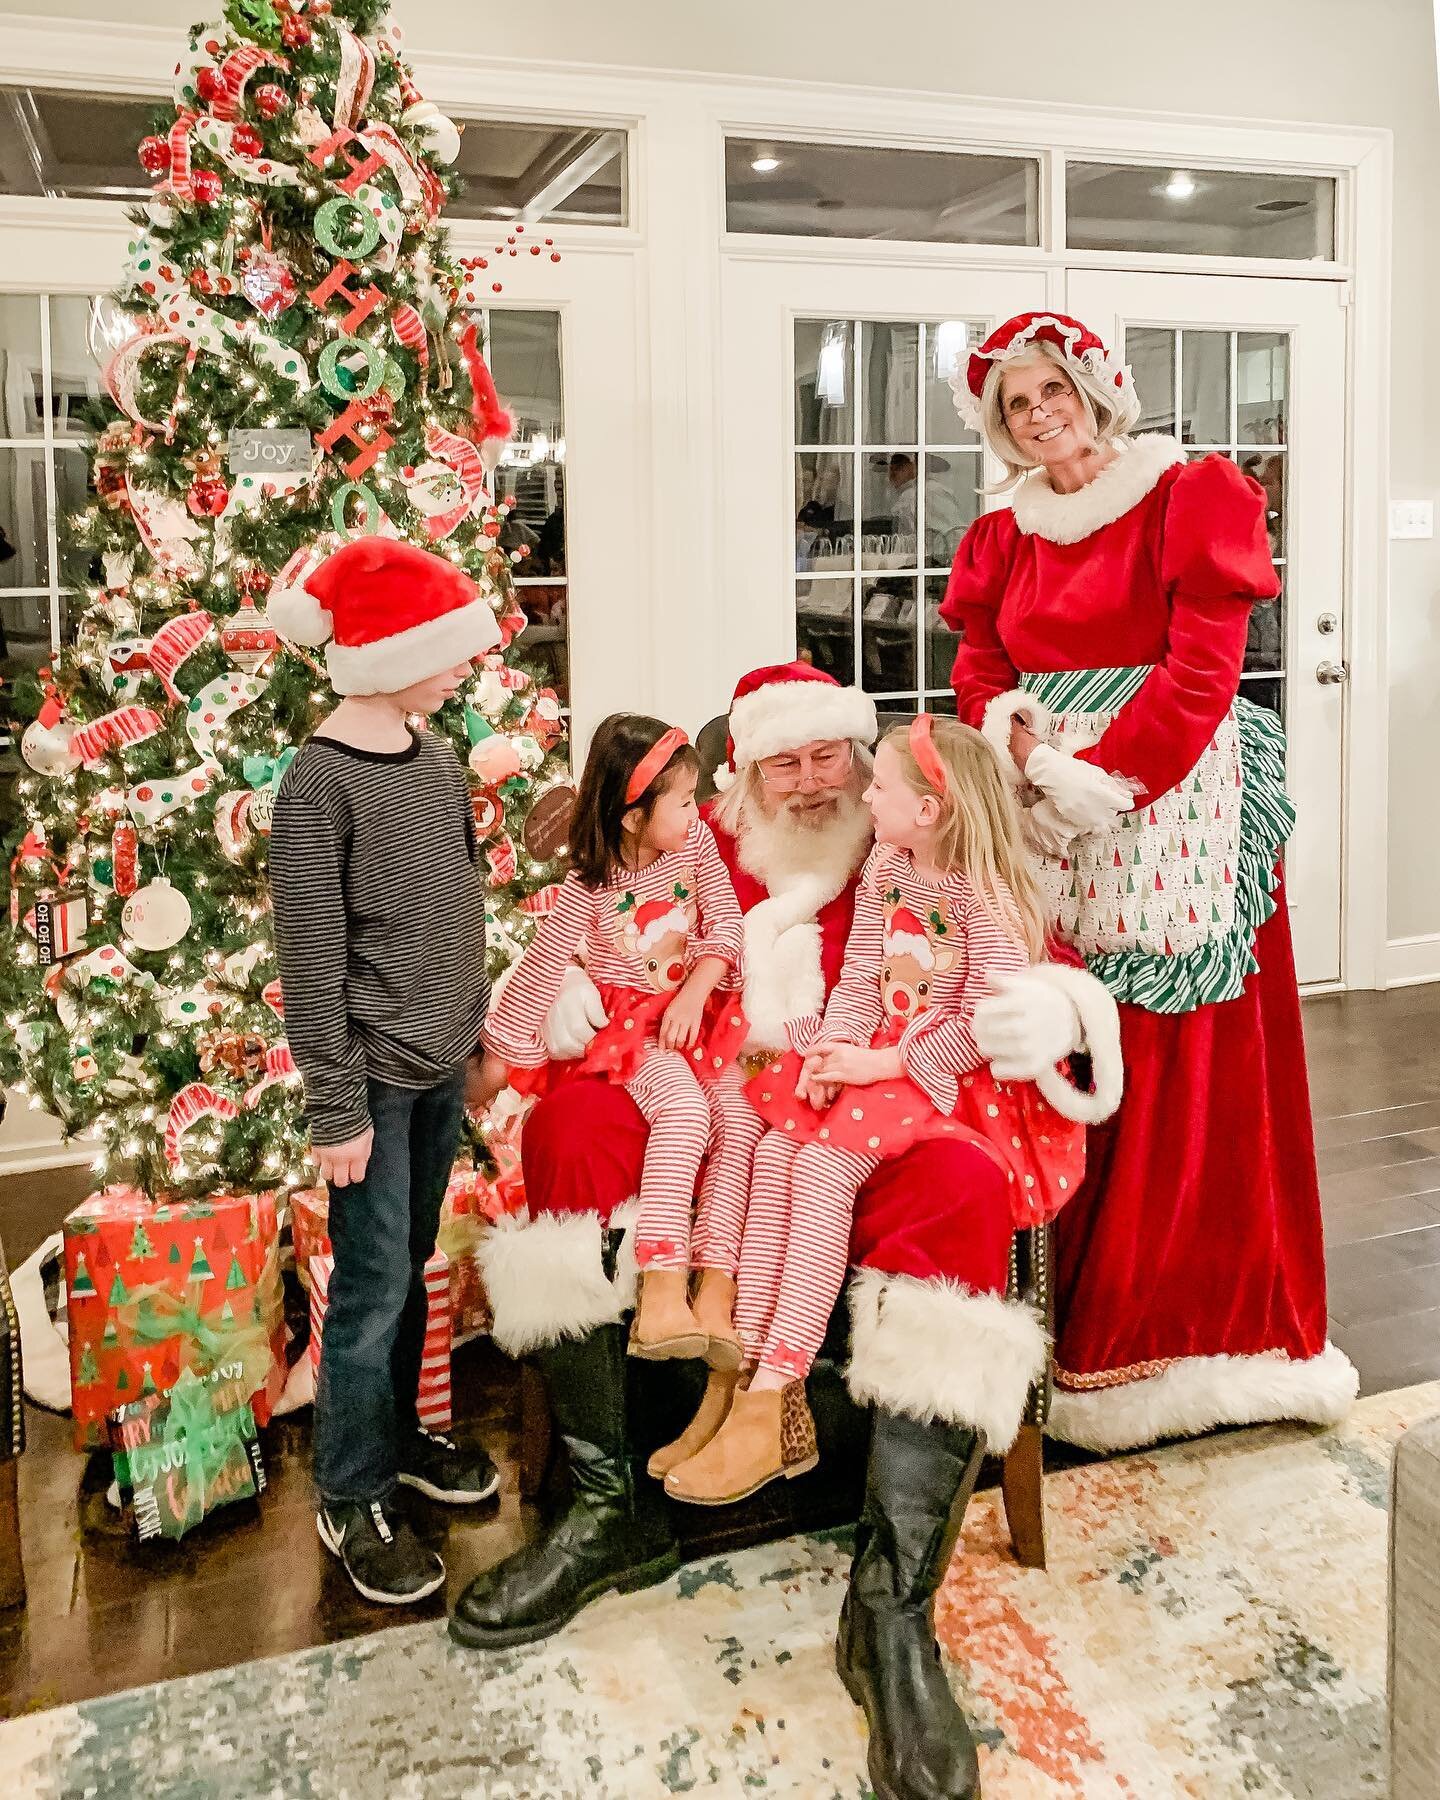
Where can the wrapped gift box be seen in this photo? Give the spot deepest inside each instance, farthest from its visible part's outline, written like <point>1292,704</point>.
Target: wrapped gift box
<point>433,1401</point>
<point>156,1287</point>
<point>182,1455</point>
<point>464,1218</point>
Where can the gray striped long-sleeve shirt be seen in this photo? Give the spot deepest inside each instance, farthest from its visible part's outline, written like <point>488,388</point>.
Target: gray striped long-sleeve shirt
<point>379,923</point>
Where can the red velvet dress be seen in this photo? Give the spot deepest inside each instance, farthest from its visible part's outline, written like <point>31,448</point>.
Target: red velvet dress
<point>1190,1267</point>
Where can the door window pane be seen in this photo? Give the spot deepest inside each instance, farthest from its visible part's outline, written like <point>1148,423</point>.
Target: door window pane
<point>1199,212</point>
<point>824,382</point>
<point>1262,374</point>
<point>522,347</point>
<point>1205,388</point>
<point>870,191</point>
<point>1151,356</point>
<point>919,476</point>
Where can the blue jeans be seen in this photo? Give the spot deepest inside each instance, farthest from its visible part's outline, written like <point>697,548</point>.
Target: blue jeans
<point>382,1231</point>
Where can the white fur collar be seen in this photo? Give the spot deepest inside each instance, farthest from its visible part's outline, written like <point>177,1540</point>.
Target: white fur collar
<point>1067,518</point>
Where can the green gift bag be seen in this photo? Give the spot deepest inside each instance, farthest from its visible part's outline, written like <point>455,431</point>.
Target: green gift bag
<point>181,1455</point>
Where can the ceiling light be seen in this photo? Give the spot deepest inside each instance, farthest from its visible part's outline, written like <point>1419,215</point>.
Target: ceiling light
<point>1181,185</point>
<point>763,165</point>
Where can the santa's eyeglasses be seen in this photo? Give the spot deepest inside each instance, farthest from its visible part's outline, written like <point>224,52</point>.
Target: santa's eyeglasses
<point>823,768</point>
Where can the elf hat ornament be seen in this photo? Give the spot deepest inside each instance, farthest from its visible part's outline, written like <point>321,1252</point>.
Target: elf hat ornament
<point>388,613</point>
<point>786,706</point>
<point>1016,337</point>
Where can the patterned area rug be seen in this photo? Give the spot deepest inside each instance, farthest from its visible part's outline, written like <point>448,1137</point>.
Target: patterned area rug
<point>1212,1625</point>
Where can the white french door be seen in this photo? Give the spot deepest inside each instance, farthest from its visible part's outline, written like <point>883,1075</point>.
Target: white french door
<point>1255,369</point>
<point>847,475</point>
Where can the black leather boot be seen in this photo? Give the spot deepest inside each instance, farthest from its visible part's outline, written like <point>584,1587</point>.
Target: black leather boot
<point>616,1531</point>
<point>917,1481</point>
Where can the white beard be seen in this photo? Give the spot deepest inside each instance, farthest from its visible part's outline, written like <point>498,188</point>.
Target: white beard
<point>803,867</point>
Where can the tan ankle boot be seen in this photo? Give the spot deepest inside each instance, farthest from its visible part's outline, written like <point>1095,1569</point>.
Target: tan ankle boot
<point>664,1324</point>
<point>711,1415</point>
<point>714,1310</point>
<point>764,1435</point>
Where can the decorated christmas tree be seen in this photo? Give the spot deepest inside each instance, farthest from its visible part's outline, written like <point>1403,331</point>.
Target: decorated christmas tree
<point>302,369</point>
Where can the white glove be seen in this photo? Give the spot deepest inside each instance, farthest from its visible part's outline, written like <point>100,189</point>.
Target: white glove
<point>575,1015</point>
<point>1085,795</point>
<point>1046,829</point>
<point>1026,1028</point>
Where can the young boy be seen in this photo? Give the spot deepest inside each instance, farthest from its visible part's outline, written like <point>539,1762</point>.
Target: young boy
<point>380,929</point>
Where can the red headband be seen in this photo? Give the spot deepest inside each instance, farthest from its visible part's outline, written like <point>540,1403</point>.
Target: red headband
<point>653,761</point>
<point>922,748</point>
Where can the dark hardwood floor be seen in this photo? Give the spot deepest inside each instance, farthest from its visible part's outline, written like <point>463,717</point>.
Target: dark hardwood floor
<point>104,1614</point>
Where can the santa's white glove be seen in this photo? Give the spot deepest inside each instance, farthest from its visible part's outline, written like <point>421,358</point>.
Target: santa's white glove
<point>576,1014</point>
<point>1046,829</point>
<point>1081,792</point>
<point>1026,1028</point>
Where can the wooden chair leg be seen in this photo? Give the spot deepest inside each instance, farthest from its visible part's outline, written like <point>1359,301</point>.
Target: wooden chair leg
<point>534,1431</point>
<point>1023,1485</point>
<point>12,1569</point>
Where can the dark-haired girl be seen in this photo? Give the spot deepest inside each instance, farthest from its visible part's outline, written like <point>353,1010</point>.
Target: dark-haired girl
<point>649,905</point>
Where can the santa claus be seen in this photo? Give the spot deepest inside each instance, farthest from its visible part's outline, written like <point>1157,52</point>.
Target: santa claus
<point>940,1355</point>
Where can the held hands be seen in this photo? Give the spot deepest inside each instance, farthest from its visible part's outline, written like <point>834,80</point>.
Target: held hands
<point>834,1066</point>
<point>340,1164</point>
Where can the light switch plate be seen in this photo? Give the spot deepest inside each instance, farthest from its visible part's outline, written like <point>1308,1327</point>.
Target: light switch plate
<point>1412,518</point>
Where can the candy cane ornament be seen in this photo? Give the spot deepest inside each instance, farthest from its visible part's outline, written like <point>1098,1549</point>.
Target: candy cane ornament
<point>196,1101</point>
<point>216,704</point>
<point>115,731</point>
<point>173,643</point>
<point>154,800</point>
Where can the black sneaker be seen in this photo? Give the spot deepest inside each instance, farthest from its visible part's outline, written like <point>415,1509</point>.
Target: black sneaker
<point>381,1554</point>
<point>441,1470</point>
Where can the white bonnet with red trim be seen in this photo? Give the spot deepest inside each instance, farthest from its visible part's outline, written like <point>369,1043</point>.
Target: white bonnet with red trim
<point>1075,342</point>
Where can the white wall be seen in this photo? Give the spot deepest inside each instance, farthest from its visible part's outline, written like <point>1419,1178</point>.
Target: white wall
<point>1368,62</point>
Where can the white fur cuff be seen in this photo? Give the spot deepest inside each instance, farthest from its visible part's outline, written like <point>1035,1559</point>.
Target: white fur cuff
<point>1099,1019</point>
<point>1088,798</point>
<point>999,716</point>
<point>546,1280</point>
<point>938,1350</point>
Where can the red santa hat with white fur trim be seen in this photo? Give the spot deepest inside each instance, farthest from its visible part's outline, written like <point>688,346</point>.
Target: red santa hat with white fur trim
<point>905,936</point>
<point>787,705</point>
<point>388,613</point>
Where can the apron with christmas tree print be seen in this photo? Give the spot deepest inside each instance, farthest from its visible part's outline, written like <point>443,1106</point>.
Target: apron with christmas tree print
<point>1164,905</point>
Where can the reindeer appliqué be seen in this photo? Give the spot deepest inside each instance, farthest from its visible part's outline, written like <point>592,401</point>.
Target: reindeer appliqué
<point>915,951</point>
<point>656,933</point>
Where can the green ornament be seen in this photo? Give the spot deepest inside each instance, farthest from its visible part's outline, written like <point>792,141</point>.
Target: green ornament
<point>367,500</point>
<point>340,381</point>
<point>346,229</point>
<point>102,871</point>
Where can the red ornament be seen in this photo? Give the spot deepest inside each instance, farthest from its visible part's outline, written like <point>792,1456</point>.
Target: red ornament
<point>246,140</point>
<point>270,99</point>
<point>209,86</point>
<point>320,8</point>
<point>295,34</point>
<point>206,186</point>
<point>154,153</point>
<point>207,497</point>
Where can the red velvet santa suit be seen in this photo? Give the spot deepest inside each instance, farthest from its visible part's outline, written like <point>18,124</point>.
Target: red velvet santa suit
<point>933,1332</point>
<point>1190,1270</point>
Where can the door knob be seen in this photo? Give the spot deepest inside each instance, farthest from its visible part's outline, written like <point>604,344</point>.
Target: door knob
<point>1327,623</point>
<point>1332,674</point>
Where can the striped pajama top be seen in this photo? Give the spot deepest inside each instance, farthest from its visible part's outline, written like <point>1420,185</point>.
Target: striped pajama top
<point>379,915</point>
<point>644,929</point>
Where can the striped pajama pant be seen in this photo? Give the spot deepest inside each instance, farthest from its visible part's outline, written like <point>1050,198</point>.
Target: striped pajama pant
<point>685,1117</point>
<point>795,1250</point>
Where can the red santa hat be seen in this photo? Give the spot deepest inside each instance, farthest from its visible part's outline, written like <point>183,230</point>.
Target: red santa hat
<point>388,613</point>
<point>905,936</point>
<point>786,705</point>
<point>656,920</point>
<point>1016,337</point>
